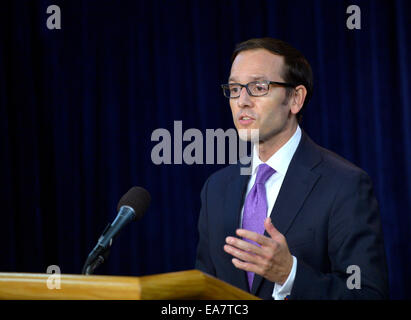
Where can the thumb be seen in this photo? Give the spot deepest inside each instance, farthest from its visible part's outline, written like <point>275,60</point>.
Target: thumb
<point>271,230</point>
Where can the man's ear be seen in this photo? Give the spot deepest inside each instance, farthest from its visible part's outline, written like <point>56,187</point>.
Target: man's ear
<point>297,99</point>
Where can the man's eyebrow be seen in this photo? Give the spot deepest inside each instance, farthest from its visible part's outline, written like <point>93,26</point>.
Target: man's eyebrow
<point>253,77</point>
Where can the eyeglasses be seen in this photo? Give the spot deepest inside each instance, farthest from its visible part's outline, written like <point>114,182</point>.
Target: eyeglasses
<point>254,89</point>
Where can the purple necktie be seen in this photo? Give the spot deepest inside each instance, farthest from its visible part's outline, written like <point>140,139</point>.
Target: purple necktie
<point>255,207</point>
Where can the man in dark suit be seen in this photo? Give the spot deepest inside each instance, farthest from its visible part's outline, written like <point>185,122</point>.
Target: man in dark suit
<point>305,224</point>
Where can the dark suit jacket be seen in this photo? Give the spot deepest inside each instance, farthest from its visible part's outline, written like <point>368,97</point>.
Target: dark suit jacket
<point>328,214</point>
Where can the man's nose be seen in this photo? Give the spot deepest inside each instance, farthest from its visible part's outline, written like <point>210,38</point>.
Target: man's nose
<point>244,99</point>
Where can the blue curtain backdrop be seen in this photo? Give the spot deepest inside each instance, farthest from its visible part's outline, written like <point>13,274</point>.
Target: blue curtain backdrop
<point>78,107</point>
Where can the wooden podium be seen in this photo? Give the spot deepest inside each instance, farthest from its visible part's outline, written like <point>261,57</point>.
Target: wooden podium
<point>183,285</point>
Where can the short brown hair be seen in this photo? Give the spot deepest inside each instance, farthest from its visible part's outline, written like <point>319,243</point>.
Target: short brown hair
<point>296,69</point>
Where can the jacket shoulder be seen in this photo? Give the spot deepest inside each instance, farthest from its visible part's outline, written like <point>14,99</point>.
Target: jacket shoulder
<point>337,165</point>
<point>225,174</point>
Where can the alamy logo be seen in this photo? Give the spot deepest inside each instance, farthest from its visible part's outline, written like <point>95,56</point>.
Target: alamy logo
<point>354,280</point>
<point>54,281</point>
<point>354,20</point>
<point>169,149</point>
<point>54,21</point>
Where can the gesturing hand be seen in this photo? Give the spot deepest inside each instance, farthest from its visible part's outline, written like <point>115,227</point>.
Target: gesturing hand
<point>271,260</point>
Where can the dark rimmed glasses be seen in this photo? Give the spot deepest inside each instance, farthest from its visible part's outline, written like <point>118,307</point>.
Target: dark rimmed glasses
<point>254,89</point>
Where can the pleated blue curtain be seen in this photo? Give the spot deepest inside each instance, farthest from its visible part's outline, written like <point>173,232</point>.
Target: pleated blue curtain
<point>78,107</point>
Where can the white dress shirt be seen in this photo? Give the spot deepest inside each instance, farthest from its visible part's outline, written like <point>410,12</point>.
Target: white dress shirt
<point>279,161</point>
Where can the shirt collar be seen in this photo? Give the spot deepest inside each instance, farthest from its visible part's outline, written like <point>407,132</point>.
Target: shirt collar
<point>280,160</point>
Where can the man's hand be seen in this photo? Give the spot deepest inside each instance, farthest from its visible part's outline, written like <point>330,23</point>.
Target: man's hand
<point>272,260</point>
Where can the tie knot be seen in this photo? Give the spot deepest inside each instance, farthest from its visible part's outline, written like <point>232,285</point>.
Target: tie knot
<point>264,172</point>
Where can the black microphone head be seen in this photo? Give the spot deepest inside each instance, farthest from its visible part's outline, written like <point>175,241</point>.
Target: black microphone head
<point>137,198</point>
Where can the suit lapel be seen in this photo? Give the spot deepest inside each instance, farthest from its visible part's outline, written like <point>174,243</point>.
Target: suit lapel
<point>297,185</point>
<point>236,189</point>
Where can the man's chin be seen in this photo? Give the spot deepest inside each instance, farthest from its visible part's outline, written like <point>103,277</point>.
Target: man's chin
<point>249,135</point>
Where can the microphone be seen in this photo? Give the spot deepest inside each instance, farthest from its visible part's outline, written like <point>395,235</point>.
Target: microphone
<point>131,206</point>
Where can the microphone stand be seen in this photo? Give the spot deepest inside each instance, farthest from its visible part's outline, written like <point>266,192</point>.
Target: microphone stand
<point>89,267</point>
<point>97,257</point>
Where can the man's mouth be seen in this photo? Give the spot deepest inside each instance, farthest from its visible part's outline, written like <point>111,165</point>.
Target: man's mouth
<point>245,120</point>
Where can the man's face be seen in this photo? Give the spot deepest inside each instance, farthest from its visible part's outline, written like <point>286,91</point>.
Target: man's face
<point>267,113</point>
